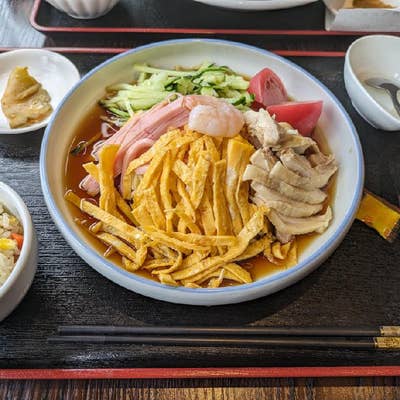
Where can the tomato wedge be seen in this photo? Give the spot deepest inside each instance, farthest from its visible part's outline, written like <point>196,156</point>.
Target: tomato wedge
<point>267,88</point>
<point>302,115</point>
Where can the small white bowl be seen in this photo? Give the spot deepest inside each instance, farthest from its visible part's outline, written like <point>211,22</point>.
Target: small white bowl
<point>17,284</point>
<point>55,72</point>
<point>369,57</point>
<point>84,9</point>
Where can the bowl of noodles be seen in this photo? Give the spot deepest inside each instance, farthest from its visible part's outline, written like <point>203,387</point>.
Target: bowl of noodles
<point>201,171</point>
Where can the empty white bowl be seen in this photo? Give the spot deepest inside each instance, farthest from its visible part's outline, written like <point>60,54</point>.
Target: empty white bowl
<point>374,56</point>
<point>55,72</point>
<point>334,122</point>
<point>19,281</point>
<point>84,9</point>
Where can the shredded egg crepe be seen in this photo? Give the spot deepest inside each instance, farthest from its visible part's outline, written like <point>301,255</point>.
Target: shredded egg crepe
<point>187,220</point>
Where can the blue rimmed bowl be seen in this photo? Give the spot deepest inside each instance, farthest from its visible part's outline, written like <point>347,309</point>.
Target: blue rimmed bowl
<point>336,125</point>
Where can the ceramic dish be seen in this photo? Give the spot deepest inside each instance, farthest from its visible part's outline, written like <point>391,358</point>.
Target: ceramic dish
<point>19,281</point>
<point>55,72</point>
<point>84,9</point>
<point>256,5</point>
<point>374,56</point>
<point>335,123</point>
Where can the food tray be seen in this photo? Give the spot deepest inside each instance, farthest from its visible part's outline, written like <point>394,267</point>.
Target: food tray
<point>160,16</point>
<point>357,285</point>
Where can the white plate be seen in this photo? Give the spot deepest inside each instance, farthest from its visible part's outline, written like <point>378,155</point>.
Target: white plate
<point>55,72</point>
<point>256,5</point>
<point>334,122</point>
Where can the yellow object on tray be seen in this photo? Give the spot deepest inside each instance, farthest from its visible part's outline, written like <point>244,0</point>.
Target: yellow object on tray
<point>379,215</point>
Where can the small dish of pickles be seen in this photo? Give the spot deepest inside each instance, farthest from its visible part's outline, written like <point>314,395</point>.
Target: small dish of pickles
<point>32,84</point>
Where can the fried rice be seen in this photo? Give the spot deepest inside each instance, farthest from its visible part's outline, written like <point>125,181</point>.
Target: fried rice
<point>9,250</point>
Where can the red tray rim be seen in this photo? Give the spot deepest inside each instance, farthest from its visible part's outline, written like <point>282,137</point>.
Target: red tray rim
<point>193,31</point>
<point>200,373</point>
<point>196,373</point>
<point>118,50</point>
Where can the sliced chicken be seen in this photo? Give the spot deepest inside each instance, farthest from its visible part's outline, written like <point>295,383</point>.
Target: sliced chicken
<point>263,127</point>
<point>318,180</point>
<point>319,175</point>
<point>296,142</point>
<point>257,174</point>
<point>297,163</point>
<point>283,237</point>
<point>287,173</point>
<point>298,226</point>
<point>320,158</point>
<point>282,204</point>
<point>270,158</point>
<point>281,173</point>
<point>314,196</point>
<point>259,160</point>
<point>326,170</point>
<point>264,158</point>
<point>254,173</point>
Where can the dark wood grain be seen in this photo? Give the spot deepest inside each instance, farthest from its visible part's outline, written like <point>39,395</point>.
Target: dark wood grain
<point>357,285</point>
<point>232,389</point>
<point>352,288</point>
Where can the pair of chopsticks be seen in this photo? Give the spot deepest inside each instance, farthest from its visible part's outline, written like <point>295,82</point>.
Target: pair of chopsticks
<point>380,338</point>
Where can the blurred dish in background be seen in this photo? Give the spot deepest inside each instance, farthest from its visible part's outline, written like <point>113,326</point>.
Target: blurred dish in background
<point>84,9</point>
<point>366,4</point>
<point>256,5</point>
<point>363,15</point>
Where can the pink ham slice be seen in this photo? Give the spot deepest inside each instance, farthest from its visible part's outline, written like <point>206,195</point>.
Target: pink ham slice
<point>150,125</point>
<point>147,125</point>
<point>135,151</point>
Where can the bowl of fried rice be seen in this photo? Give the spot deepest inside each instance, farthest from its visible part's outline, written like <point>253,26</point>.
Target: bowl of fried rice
<point>18,250</point>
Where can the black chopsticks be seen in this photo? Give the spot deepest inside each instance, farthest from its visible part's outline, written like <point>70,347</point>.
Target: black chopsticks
<point>221,331</point>
<point>381,338</point>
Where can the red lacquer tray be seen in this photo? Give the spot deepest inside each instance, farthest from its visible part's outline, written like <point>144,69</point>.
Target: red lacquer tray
<point>25,348</point>
<point>158,16</point>
<point>198,373</point>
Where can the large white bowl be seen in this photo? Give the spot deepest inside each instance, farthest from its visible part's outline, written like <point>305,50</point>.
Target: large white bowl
<point>373,56</point>
<point>19,281</point>
<point>338,129</point>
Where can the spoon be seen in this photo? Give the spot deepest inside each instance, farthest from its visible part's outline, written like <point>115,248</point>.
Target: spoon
<point>389,86</point>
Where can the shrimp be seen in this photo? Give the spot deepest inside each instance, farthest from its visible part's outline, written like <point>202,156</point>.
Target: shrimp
<point>215,117</point>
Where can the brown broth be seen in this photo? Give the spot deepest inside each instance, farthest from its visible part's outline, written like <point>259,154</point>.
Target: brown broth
<point>259,267</point>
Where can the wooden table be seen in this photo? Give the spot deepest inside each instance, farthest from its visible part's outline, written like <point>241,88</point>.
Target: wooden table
<point>15,31</point>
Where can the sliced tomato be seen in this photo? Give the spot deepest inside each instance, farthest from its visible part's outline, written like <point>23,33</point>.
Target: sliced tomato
<point>267,88</point>
<point>302,115</point>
